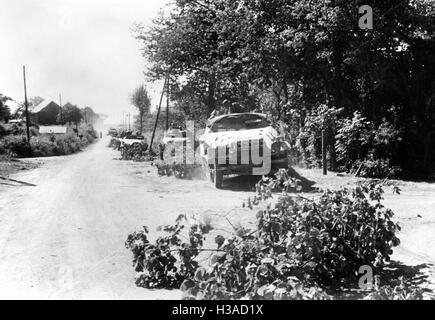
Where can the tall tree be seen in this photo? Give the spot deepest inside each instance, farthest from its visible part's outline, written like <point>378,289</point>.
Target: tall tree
<point>287,57</point>
<point>5,111</point>
<point>71,114</point>
<point>19,113</point>
<point>142,101</point>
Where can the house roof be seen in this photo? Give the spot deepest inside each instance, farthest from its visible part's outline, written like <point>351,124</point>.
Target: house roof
<point>44,104</point>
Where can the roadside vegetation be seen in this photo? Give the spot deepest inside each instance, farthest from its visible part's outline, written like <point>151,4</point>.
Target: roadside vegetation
<point>138,151</point>
<point>300,248</point>
<point>170,166</point>
<point>368,94</point>
<point>299,62</point>
<point>179,170</point>
<point>13,136</point>
<point>14,143</point>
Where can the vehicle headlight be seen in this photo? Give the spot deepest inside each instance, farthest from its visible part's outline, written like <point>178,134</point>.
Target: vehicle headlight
<point>276,147</point>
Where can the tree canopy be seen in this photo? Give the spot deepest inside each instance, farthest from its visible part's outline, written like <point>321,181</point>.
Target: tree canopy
<point>5,111</point>
<point>70,114</point>
<point>288,57</point>
<point>142,101</point>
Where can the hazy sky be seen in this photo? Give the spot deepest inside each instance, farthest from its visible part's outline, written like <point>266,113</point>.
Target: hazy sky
<point>80,48</point>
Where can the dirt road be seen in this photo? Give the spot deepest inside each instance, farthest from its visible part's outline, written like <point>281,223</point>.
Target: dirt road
<point>64,237</point>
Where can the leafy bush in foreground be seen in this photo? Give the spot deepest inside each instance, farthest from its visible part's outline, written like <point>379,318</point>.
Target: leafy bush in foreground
<point>401,291</point>
<point>299,249</point>
<point>157,263</point>
<point>330,238</point>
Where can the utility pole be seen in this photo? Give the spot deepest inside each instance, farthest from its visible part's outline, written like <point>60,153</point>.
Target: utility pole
<point>60,104</point>
<point>324,161</point>
<point>167,103</point>
<point>26,104</point>
<point>158,114</point>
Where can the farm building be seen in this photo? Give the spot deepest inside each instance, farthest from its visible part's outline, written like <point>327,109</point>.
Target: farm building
<point>45,113</point>
<point>52,130</point>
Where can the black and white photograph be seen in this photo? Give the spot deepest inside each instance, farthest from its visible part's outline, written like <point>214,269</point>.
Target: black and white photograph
<point>217,150</point>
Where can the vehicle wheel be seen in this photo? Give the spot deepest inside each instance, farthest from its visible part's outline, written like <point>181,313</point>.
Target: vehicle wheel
<point>218,179</point>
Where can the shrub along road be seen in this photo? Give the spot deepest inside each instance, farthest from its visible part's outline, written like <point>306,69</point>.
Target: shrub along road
<point>64,238</point>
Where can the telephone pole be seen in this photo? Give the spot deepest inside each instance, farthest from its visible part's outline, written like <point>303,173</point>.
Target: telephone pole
<point>60,104</point>
<point>324,159</point>
<point>167,103</point>
<point>158,114</point>
<point>26,104</point>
